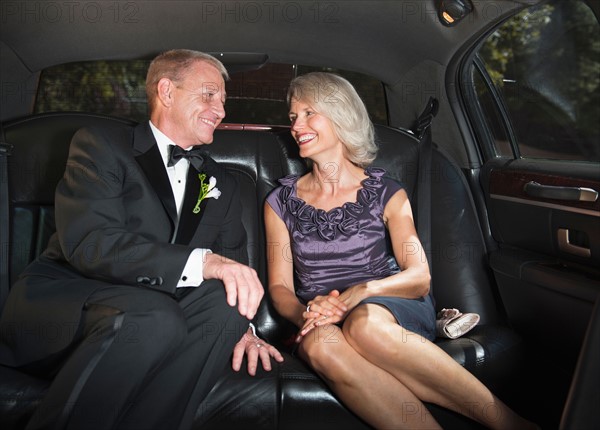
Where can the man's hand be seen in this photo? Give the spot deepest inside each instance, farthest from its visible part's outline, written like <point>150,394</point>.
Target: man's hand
<point>254,347</point>
<point>242,285</point>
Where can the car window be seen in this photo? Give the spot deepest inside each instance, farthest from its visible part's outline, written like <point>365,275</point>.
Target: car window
<point>118,88</point>
<point>536,81</point>
<point>107,87</point>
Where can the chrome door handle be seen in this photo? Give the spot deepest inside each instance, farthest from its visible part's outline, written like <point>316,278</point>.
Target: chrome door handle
<point>560,193</point>
<point>565,245</point>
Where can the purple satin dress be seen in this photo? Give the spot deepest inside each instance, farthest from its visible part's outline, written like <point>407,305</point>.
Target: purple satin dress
<point>347,245</point>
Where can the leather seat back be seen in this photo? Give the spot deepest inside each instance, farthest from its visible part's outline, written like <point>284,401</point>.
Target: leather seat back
<point>258,158</point>
<point>38,160</point>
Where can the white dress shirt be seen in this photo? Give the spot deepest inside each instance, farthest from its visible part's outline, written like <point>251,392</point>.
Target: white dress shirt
<point>192,272</point>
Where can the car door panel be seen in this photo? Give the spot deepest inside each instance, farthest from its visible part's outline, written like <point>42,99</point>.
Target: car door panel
<point>568,229</point>
<point>536,86</point>
<point>547,283</point>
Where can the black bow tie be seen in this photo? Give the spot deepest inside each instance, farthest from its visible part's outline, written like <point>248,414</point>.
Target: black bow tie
<point>194,155</point>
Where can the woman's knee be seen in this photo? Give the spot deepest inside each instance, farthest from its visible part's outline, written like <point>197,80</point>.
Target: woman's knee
<point>320,347</point>
<point>367,328</point>
<point>331,356</point>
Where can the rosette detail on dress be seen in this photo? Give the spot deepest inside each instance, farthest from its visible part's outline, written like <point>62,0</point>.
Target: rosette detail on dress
<point>327,224</point>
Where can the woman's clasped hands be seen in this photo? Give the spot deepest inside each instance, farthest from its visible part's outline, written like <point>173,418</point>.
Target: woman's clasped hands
<point>322,310</point>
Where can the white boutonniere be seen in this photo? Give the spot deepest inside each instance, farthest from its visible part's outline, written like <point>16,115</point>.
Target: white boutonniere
<point>207,191</point>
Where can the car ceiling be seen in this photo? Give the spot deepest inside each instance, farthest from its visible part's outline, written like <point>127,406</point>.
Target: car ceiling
<point>399,42</point>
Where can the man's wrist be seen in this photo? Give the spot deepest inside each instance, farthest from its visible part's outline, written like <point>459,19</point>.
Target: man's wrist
<point>193,271</point>
<point>253,328</point>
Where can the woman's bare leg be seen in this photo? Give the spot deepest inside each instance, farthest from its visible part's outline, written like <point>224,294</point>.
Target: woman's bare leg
<point>370,392</point>
<point>428,372</point>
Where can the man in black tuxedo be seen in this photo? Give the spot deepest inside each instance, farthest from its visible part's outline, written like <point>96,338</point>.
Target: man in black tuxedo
<point>144,283</point>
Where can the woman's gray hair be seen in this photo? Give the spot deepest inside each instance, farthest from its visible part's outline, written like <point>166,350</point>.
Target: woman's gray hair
<point>174,64</point>
<point>335,98</point>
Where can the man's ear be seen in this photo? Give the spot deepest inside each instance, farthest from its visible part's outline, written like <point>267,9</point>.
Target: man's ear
<point>165,92</point>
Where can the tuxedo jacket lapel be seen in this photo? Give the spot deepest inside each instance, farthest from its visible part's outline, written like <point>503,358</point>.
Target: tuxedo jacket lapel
<point>148,157</point>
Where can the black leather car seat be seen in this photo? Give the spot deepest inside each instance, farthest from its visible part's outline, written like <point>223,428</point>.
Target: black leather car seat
<point>291,396</point>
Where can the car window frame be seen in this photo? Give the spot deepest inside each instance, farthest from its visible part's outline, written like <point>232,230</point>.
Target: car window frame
<point>485,134</point>
<point>475,114</point>
<point>372,91</point>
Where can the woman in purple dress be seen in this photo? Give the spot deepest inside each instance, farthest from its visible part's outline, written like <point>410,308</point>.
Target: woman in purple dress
<point>347,268</point>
